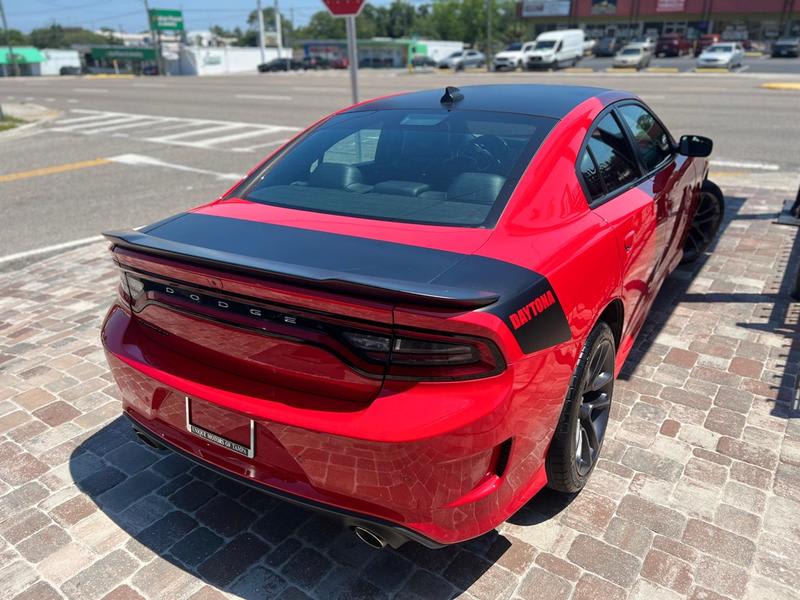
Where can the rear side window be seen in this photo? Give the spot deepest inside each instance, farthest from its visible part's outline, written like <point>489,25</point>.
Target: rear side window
<point>591,176</point>
<point>436,167</point>
<point>613,154</point>
<point>653,143</point>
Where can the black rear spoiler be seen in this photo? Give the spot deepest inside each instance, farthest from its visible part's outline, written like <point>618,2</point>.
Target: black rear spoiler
<point>348,283</point>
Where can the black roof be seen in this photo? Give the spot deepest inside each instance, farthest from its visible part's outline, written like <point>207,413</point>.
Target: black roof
<point>554,101</point>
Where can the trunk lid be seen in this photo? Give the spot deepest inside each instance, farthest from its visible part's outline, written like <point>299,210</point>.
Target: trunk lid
<point>276,305</point>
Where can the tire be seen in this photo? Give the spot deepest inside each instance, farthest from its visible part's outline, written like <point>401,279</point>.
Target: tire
<point>705,222</point>
<point>573,453</point>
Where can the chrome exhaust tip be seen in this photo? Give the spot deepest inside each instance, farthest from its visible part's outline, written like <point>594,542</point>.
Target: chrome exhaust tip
<point>370,538</point>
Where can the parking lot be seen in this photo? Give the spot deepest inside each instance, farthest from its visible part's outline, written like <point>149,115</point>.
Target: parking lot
<point>761,63</point>
<point>698,490</point>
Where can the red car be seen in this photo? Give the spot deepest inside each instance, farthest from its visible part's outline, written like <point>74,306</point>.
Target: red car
<point>412,314</point>
<point>673,44</point>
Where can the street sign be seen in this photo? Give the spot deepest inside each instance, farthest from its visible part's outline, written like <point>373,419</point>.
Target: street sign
<point>344,8</point>
<point>166,20</point>
<point>349,9</point>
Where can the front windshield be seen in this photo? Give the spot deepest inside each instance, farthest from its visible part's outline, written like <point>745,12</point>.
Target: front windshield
<point>630,51</point>
<point>545,44</point>
<point>724,48</point>
<point>455,55</point>
<point>436,167</point>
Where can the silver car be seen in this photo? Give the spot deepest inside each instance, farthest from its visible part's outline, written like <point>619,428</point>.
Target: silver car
<point>636,55</point>
<point>726,55</point>
<point>465,58</point>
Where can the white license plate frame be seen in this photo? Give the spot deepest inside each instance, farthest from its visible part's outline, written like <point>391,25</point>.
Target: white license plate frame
<point>218,439</point>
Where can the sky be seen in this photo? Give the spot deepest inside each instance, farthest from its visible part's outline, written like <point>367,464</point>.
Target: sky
<point>130,14</point>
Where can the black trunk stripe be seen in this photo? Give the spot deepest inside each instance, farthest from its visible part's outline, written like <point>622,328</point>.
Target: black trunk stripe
<point>399,272</point>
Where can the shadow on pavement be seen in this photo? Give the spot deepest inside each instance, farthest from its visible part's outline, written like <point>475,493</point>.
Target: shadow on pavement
<point>247,543</point>
<point>673,291</point>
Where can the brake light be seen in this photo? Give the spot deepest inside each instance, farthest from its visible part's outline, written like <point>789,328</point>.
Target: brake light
<point>435,358</point>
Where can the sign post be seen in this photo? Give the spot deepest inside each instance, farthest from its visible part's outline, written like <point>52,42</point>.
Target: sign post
<point>349,10</point>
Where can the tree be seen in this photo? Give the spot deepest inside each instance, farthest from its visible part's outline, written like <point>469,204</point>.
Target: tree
<point>15,38</point>
<point>250,37</point>
<point>57,36</point>
<point>323,26</point>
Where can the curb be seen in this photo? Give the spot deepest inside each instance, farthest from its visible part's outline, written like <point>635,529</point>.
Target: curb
<point>781,85</point>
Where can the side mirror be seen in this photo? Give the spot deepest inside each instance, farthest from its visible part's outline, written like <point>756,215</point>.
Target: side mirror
<point>695,145</point>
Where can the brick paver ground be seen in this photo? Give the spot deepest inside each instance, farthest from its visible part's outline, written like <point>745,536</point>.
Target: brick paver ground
<point>697,494</point>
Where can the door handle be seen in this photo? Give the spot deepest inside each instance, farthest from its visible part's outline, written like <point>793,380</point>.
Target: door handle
<point>628,240</point>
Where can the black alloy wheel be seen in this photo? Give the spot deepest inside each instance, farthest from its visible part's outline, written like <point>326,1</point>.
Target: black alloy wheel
<point>579,435</point>
<point>594,408</point>
<point>705,222</point>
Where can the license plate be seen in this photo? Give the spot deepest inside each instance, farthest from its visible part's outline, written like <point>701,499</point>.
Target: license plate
<point>215,438</point>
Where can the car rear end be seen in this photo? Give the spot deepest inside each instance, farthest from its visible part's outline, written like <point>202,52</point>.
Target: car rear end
<point>786,48</point>
<point>371,378</point>
<point>668,45</point>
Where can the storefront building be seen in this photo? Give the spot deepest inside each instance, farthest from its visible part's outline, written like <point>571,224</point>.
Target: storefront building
<point>382,53</point>
<point>762,20</point>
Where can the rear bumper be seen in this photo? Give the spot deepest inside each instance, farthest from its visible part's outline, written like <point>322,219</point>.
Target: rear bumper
<point>449,461</point>
<point>394,535</point>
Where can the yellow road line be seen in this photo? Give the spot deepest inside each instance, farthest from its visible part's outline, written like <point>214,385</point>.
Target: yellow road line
<point>781,85</point>
<point>711,70</point>
<point>579,70</point>
<point>662,70</point>
<point>109,76</point>
<point>53,170</point>
<point>621,70</point>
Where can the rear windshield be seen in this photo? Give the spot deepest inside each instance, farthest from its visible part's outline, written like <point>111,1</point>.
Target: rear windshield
<point>435,167</point>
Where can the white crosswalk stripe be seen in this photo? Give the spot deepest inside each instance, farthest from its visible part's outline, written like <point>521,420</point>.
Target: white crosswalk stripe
<point>206,134</point>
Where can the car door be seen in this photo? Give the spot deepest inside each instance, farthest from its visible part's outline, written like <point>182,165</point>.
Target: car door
<point>668,179</point>
<point>612,178</point>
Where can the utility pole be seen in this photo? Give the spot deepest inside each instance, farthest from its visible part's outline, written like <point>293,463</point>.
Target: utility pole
<point>260,30</point>
<point>278,34</point>
<point>156,43</point>
<point>11,57</point>
<point>488,35</point>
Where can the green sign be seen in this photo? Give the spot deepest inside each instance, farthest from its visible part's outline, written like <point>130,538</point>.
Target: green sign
<point>122,53</point>
<point>166,20</point>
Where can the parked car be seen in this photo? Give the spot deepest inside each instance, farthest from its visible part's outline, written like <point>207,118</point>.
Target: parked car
<point>704,41</point>
<point>637,56</point>
<point>150,70</point>
<point>423,60</point>
<point>513,57</point>
<point>360,325</point>
<point>608,46</point>
<point>728,55</point>
<point>786,47</point>
<point>588,47</point>
<point>69,70</point>
<point>314,63</point>
<point>280,64</point>
<point>648,42</point>
<point>463,58</point>
<point>340,62</point>
<point>673,44</point>
<point>554,49</point>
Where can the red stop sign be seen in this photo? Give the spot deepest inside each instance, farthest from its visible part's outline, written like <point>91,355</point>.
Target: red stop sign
<point>344,8</point>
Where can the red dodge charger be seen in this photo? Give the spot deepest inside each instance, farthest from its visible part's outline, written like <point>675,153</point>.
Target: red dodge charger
<point>412,314</point>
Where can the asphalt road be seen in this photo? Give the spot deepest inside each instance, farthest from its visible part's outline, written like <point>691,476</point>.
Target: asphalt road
<point>125,152</point>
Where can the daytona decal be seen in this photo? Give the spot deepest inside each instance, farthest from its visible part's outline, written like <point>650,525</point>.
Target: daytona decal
<point>532,309</point>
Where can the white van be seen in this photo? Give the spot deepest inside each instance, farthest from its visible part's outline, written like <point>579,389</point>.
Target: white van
<point>554,49</point>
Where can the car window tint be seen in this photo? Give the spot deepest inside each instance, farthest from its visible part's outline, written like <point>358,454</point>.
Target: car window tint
<point>591,176</point>
<point>436,166</point>
<point>359,147</point>
<point>613,154</point>
<point>653,143</point>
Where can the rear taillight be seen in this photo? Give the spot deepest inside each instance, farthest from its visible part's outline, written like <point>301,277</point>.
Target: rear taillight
<point>434,358</point>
